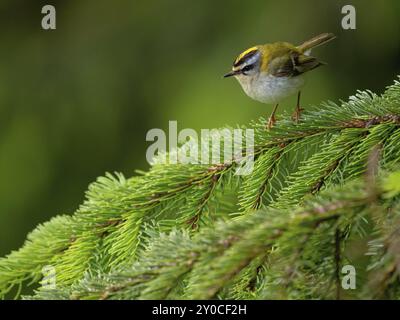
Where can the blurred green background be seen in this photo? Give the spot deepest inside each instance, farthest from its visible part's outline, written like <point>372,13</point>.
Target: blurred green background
<point>77,102</point>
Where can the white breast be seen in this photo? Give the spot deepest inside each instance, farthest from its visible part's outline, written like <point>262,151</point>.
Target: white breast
<point>270,89</point>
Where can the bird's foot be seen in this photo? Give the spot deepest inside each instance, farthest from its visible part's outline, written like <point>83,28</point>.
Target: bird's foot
<point>271,122</point>
<point>296,114</point>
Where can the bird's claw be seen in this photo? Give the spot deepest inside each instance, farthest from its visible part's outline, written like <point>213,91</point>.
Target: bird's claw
<point>296,114</point>
<point>271,122</point>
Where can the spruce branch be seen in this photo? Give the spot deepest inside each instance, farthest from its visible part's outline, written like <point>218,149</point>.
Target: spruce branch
<point>212,257</point>
<point>199,231</point>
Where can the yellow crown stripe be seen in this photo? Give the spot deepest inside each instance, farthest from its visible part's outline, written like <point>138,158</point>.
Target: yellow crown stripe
<point>245,52</point>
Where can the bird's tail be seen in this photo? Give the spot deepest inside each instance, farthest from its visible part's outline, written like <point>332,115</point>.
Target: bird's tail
<point>316,41</point>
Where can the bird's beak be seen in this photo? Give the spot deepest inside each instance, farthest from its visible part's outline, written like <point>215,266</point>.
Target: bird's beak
<point>231,73</point>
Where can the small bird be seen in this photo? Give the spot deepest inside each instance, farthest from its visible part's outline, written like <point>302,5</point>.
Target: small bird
<point>271,72</point>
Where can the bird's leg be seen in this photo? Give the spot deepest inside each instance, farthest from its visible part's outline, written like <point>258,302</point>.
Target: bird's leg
<point>272,120</point>
<point>298,110</point>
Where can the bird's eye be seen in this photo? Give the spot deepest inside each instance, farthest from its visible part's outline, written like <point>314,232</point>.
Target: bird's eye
<point>247,68</point>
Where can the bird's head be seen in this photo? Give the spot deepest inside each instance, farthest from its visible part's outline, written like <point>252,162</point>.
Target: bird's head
<point>247,64</point>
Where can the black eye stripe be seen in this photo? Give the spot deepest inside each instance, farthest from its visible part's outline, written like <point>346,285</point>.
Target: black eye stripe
<point>247,56</point>
<point>248,67</point>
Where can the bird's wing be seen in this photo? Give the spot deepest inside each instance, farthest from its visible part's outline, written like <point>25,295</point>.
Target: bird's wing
<point>292,64</point>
